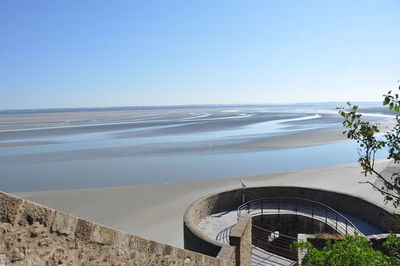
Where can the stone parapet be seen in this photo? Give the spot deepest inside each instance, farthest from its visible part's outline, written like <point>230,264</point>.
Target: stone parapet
<point>241,238</point>
<point>198,241</point>
<point>32,234</point>
<point>227,255</point>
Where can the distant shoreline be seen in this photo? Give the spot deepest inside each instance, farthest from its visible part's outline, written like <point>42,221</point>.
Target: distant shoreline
<point>158,107</point>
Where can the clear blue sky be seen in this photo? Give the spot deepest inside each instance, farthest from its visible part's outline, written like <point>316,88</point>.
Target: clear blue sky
<point>88,53</point>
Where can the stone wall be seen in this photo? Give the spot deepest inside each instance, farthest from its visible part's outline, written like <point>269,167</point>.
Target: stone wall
<point>241,238</point>
<point>31,234</point>
<point>237,253</point>
<point>341,202</point>
<point>196,240</point>
<point>227,256</point>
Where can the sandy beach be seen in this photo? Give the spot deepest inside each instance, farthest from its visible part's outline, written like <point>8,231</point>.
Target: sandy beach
<point>156,211</point>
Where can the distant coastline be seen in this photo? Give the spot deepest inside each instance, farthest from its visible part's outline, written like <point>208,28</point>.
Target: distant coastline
<point>158,107</point>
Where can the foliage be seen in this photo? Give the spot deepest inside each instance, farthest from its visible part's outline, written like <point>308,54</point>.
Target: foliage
<point>393,244</point>
<point>365,133</point>
<point>352,251</point>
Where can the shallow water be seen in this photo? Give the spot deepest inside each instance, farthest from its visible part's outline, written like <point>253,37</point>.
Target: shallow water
<point>162,147</point>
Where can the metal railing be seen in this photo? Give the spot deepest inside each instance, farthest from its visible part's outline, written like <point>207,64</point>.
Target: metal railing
<point>266,245</point>
<point>298,206</point>
<point>273,242</point>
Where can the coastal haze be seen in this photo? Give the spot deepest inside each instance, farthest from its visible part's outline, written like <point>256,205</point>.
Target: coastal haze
<point>88,148</point>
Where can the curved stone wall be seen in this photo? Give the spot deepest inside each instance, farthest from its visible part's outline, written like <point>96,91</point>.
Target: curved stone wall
<point>194,239</point>
<point>197,241</point>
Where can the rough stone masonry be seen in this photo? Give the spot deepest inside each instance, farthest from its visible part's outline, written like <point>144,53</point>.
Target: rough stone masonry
<point>31,234</point>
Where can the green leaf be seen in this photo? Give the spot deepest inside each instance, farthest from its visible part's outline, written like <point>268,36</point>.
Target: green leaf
<point>363,132</point>
<point>386,101</point>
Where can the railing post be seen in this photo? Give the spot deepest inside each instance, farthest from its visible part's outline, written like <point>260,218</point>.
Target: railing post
<point>273,248</point>
<point>312,216</point>
<point>312,211</point>
<point>279,207</point>
<point>262,207</point>
<point>326,219</point>
<point>243,191</point>
<point>326,215</point>
<point>336,222</point>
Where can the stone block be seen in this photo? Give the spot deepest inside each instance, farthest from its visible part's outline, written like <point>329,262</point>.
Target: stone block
<point>210,261</point>
<point>31,212</point>
<point>84,230</point>
<point>240,237</point>
<point>121,243</point>
<point>9,207</point>
<point>102,235</point>
<point>227,255</point>
<point>167,250</point>
<point>121,240</point>
<point>133,242</point>
<point>240,228</point>
<point>155,248</point>
<point>141,245</point>
<point>64,224</point>
<point>197,257</point>
<point>180,253</point>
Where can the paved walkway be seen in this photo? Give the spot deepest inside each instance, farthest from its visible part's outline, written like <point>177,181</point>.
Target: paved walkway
<point>261,257</point>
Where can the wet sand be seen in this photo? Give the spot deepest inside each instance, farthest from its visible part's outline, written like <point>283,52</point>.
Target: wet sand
<point>30,143</point>
<point>306,138</point>
<point>78,150</point>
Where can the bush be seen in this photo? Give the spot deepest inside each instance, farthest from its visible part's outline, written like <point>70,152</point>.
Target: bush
<point>352,251</point>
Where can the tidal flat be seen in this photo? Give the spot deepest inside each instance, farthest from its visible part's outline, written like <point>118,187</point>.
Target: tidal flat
<point>75,149</point>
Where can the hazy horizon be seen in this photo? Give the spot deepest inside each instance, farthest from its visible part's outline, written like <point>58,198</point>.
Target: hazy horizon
<point>97,108</point>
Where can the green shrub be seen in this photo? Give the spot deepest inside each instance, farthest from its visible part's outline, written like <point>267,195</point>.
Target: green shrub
<point>352,251</point>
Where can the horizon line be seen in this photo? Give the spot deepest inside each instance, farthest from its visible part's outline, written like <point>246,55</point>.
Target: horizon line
<point>138,107</point>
